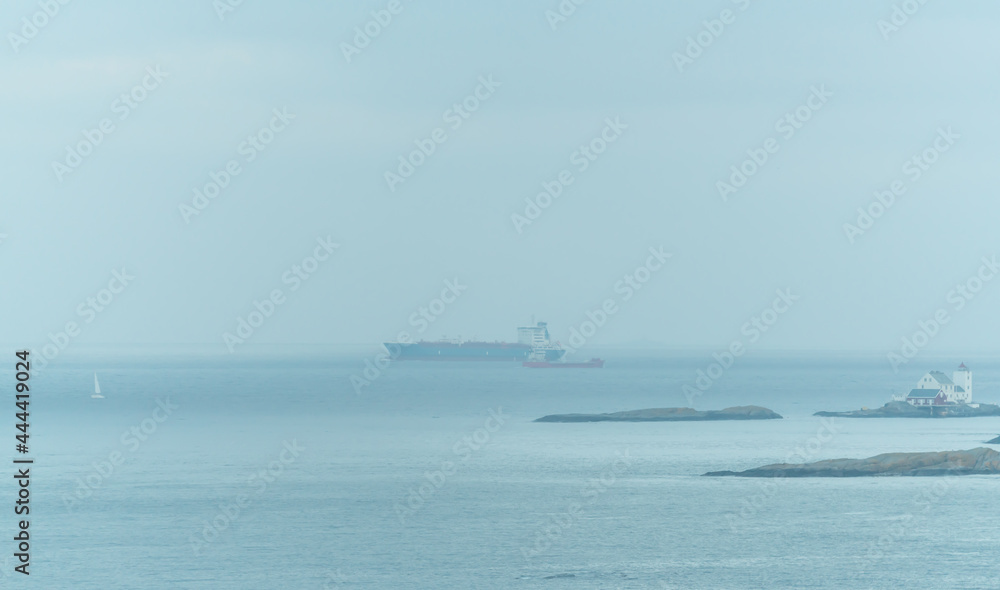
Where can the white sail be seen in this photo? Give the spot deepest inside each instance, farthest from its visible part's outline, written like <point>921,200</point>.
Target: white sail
<point>97,388</point>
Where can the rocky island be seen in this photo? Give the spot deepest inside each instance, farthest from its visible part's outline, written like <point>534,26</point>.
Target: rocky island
<point>906,410</point>
<point>995,441</point>
<point>669,415</point>
<point>981,461</point>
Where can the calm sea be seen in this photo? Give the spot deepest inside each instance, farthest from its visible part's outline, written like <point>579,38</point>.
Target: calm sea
<point>270,471</point>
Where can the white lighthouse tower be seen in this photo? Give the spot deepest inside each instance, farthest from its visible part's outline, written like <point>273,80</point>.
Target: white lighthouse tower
<point>963,384</point>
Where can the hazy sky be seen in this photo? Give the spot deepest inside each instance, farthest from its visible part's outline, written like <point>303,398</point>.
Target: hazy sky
<point>549,90</point>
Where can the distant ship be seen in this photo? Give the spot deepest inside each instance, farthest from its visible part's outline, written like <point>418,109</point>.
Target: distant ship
<point>532,342</point>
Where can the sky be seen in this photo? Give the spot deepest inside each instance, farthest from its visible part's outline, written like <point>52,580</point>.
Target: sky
<point>465,224</point>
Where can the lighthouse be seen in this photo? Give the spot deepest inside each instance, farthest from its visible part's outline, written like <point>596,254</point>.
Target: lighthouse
<point>963,380</point>
<point>936,389</point>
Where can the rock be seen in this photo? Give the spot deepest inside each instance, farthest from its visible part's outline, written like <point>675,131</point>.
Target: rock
<point>669,415</point>
<point>995,441</point>
<point>906,410</point>
<point>980,461</point>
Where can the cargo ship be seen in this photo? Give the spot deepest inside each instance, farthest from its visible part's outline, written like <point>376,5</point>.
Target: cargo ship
<point>533,342</point>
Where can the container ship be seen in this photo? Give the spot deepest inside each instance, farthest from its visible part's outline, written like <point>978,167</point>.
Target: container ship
<point>533,342</point>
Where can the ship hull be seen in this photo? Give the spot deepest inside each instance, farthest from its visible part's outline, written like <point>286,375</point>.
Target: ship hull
<point>591,364</point>
<point>466,351</point>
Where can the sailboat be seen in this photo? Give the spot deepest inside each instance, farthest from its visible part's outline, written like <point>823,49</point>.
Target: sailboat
<point>97,389</point>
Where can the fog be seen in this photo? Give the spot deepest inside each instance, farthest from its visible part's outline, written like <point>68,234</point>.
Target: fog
<point>523,165</point>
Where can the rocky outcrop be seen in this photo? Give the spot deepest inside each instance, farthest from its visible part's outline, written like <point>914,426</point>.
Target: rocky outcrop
<point>669,415</point>
<point>995,441</point>
<point>906,410</point>
<point>981,461</point>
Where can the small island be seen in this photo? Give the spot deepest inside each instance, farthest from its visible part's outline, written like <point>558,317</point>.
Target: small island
<point>935,396</point>
<point>995,441</point>
<point>980,461</point>
<point>906,410</point>
<point>669,415</point>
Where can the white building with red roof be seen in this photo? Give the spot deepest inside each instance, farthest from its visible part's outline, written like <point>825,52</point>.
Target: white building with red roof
<point>936,389</point>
